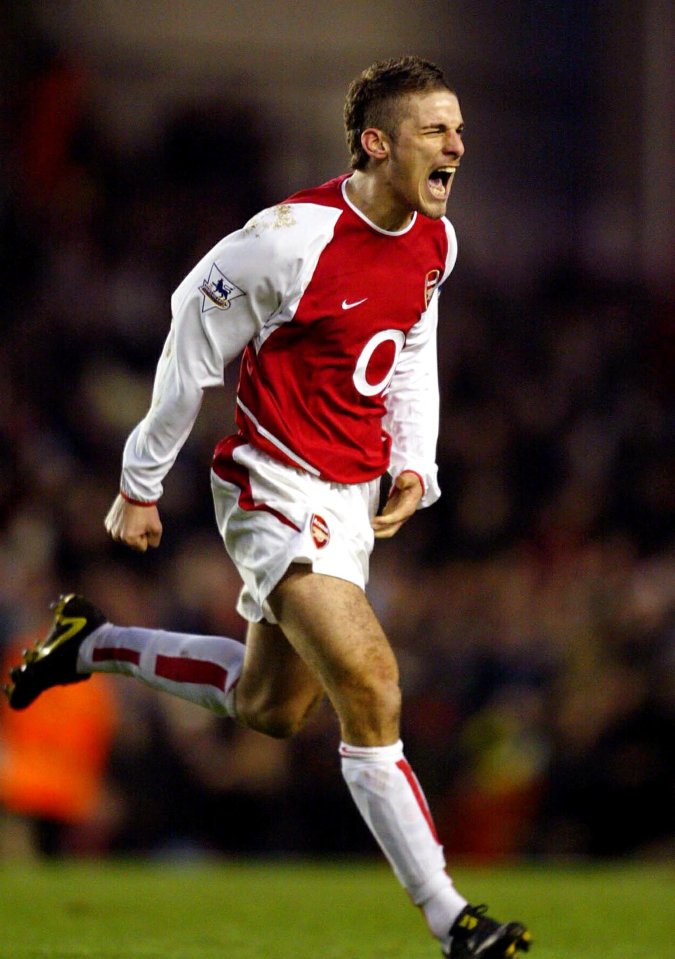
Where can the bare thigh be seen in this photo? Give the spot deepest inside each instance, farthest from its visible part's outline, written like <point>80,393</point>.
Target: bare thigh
<point>277,690</point>
<point>333,628</point>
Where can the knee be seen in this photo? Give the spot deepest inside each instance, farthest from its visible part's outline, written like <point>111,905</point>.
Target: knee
<point>278,720</point>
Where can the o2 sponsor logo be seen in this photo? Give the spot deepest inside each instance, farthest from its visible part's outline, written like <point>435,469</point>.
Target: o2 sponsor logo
<point>360,377</point>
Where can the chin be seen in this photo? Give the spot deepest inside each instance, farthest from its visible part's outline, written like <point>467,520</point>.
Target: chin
<point>432,208</point>
<point>434,212</point>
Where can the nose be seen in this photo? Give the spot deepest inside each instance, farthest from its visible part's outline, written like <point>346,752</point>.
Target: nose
<point>454,145</point>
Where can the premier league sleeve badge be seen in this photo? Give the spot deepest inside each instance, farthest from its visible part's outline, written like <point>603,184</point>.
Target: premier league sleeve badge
<point>217,291</point>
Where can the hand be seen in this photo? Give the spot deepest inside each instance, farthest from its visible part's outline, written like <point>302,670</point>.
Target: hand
<point>403,501</point>
<point>135,526</point>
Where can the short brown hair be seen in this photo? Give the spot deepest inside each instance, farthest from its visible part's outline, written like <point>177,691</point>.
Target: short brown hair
<point>375,98</point>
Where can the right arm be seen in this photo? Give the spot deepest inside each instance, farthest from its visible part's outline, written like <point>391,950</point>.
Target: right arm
<point>221,305</point>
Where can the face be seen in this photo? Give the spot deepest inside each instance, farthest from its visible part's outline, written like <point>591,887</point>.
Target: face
<point>425,156</point>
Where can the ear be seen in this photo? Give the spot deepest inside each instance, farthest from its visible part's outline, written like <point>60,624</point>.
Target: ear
<point>375,143</point>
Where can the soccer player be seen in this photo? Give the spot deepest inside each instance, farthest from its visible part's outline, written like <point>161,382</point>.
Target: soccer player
<point>332,296</point>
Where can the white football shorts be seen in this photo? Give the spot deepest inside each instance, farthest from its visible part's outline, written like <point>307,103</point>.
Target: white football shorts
<point>271,515</point>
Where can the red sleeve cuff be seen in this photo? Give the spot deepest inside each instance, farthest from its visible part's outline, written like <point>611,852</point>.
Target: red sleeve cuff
<point>136,502</point>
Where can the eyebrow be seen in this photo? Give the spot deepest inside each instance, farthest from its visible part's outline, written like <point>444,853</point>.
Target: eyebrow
<point>441,126</point>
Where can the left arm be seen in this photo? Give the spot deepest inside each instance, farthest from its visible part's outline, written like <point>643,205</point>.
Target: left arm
<point>413,407</point>
<point>412,416</point>
<point>412,422</point>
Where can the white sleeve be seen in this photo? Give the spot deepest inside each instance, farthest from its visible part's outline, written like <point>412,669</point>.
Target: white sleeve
<point>451,256</point>
<point>413,400</point>
<point>225,301</point>
<point>412,406</point>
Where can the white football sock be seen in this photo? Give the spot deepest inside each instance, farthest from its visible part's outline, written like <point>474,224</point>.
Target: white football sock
<point>391,801</point>
<point>201,669</point>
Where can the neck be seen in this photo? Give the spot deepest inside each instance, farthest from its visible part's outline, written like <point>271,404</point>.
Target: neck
<point>369,196</point>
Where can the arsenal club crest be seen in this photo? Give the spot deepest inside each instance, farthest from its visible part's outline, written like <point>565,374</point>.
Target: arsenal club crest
<point>430,284</point>
<point>319,530</point>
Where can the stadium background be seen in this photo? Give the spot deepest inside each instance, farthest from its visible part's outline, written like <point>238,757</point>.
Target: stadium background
<point>533,606</point>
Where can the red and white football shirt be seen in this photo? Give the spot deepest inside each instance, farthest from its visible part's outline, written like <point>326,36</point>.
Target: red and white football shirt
<point>337,319</point>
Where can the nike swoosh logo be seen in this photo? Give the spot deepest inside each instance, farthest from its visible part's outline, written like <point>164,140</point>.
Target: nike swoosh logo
<point>350,306</point>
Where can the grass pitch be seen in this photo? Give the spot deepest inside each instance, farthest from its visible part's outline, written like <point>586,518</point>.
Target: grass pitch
<point>279,910</point>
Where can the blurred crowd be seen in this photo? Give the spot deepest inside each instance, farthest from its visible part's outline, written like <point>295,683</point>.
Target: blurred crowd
<point>533,608</point>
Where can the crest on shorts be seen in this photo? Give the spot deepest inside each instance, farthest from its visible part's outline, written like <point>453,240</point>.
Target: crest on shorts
<point>430,283</point>
<point>217,291</point>
<point>319,530</point>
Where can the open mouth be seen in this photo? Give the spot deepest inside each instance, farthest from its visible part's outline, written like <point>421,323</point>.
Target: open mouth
<point>440,181</point>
